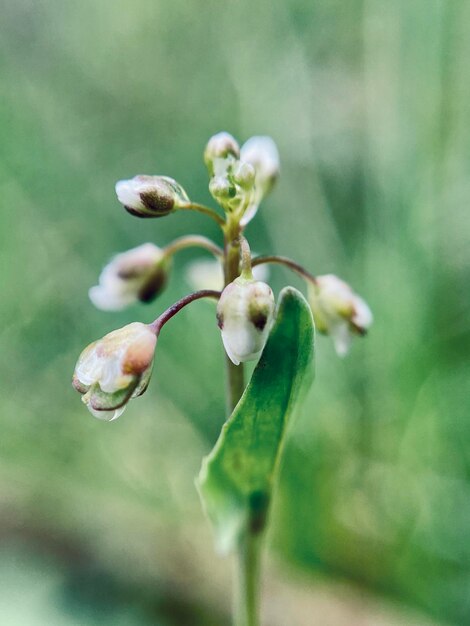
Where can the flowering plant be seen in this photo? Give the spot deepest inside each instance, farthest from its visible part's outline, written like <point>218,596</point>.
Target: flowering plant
<point>237,478</point>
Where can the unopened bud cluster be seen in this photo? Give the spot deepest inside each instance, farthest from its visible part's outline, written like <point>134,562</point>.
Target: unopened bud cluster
<point>241,177</point>
<point>117,368</point>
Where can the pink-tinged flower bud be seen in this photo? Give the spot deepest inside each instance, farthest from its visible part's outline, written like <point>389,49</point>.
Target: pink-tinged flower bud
<point>114,369</point>
<point>338,311</point>
<point>219,148</point>
<point>151,196</point>
<point>138,274</point>
<point>245,313</point>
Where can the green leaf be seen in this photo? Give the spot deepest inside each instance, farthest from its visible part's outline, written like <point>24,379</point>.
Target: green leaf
<point>237,478</point>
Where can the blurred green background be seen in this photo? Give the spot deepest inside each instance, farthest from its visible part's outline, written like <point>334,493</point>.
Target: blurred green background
<point>368,101</point>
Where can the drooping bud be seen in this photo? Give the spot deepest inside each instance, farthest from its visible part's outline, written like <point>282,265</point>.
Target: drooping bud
<point>245,313</point>
<point>138,274</point>
<point>338,311</point>
<point>151,196</point>
<point>219,149</point>
<point>114,369</point>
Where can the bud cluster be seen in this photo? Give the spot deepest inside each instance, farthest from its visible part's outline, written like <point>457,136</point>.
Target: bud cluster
<point>116,368</point>
<point>240,178</point>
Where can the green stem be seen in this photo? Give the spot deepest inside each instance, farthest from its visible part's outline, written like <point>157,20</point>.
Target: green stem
<point>283,260</point>
<point>235,374</point>
<point>246,609</point>
<point>245,259</point>
<point>188,241</point>
<point>175,308</point>
<point>248,580</point>
<point>200,208</point>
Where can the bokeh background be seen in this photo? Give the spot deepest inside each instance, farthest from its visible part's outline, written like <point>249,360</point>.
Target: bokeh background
<point>368,101</point>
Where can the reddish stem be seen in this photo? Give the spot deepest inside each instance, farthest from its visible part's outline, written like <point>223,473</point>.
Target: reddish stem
<point>162,319</point>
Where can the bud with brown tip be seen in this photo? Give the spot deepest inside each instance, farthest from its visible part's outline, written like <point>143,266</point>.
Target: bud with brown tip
<point>338,311</point>
<point>151,196</point>
<point>138,274</point>
<point>245,313</point>
<point>220,149</point>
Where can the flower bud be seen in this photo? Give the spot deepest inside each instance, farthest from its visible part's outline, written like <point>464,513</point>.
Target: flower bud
<point>222,190</point>
<point>338,311</point>
<point>138,274</point>
<point>244,175</point>
<point>219,148</point>
<point>114,369</point>
<point>245,313</point>
<point>150,196</point>
<point>262,154</point>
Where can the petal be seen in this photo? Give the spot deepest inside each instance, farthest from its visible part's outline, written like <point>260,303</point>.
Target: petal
<point>107,416</point>
<point>228,349</point>
<point>262,153</point>
<point>362,317</point>
<point>78,385</point>
<point>89,365</point>
<point>106,299</point>
<point>205,274</point>
<point>251,211</point>
<point>102,401</point>
<point>261,272</point>
<point>342,337</point>
<point>127,193</point>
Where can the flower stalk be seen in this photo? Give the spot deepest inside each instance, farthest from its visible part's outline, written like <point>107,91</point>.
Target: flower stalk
<point>175,308</point>
<point>245,260</point>
<point>235,379</point>
<point>247,580</point>
<point>117,368</point>
<point>200,208</point>
<point>190,241</point>
<point>289,263</point>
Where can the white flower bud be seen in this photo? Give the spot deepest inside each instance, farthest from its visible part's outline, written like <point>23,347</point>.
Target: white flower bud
<point>208,274</point>
<point>138,274</point>
<point>245,313</point>
<point>222,189</point>
<point>114,369</point>
<point>219,148</point>
<point>244,174</point>
<point>150,196</point>
<point>262,154</point>
<point>338,311</point>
